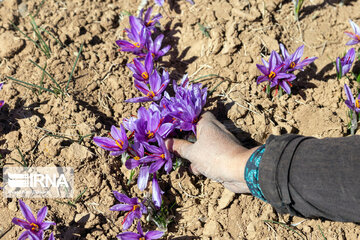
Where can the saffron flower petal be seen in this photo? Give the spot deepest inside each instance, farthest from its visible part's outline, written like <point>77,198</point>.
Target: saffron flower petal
<point>143,177</point>
<point>152,235</point>
<point>159,2</point>
<point>128,236</point>
<point>24,235</point>
<point>1,101</point>
<point>42,214</point>
<point>123,198</point>
<point>51,237</point>
<point>262,69</point>
<point>121,207</point>
<point>26,211</point>
<point>355,36</point>
<point>156,192</point>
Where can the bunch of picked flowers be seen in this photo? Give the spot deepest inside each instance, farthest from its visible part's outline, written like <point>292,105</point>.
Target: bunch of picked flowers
<point>141,137</point>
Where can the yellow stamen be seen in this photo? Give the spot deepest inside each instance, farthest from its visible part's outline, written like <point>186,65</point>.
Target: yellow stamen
<point>153,55</point>
<point>357,103</point>
<point>292,64</point>
<point>135,207</point>
<point>149,22</point>
<point>357,37</point>
<point>120,145</point>
<point>137,44</point>
<point>35,227</point>
<point>142,238</point>
<point>145,75</point>
<point>150,134</point>
<point>136,158</point>
<point>162,156</point>
<point>150,94</point>
<point>272,74</point>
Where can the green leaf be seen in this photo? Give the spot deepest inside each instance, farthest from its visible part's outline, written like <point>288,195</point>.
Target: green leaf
<point>73,69</point>
<point>26,84</point>
<point>204,30</point>
<point>48,74</point>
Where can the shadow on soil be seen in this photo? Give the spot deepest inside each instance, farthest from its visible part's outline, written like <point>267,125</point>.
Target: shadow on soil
<point>308,10</point>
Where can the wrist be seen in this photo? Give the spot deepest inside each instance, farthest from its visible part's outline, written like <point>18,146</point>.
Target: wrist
<point>241,159</point>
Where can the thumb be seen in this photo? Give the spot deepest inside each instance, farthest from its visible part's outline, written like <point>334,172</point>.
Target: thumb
<point>180,147</point>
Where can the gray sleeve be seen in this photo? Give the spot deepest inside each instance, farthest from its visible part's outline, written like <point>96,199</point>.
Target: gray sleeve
<point>312,177</point>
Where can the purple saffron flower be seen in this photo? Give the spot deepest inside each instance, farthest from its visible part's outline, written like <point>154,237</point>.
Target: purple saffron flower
<point>292,62</point>
<point>344,64</point>
<point>137,34</point>
<point>272,71</point>
<point>147,21</point>
<point>117,143</point>
<point>151,123</point>
<point>355,36</point>
<point>1,101</point>
<point>185,108</point>
<point>150,235</point>
<point>157,86</point>
<point>134,208</point>
<point>353,104</point>
<point>34,226</point>
<point>155,47</point>
<point>156,192</point>
<point>160,156</point>
<point>142,71</point>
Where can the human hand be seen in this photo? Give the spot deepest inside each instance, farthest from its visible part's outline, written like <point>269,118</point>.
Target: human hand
<point>217,154</point>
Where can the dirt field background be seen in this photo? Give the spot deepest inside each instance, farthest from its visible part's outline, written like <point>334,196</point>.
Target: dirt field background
<point>240,31</point>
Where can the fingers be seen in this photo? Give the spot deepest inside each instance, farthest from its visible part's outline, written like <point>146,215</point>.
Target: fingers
<point>205,119</point>
<point>180,147</point>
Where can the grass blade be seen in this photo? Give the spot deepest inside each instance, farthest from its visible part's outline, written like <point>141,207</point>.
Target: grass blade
<point>55,38</point>
<point>52,79</point>
<point>38,8</point>
<point>216,86</point>
<point>81,138</point>
<point>42,79</point>
<point>26,84</point>
<point>285,226</point>
<point>205,76</point>
<point>22,157</point>
<point>73,69</point>
<point>45,48</point>
<point>22,164</point>
<point>26,36</point>
<point>80,195</point>
<point>323,235</point>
